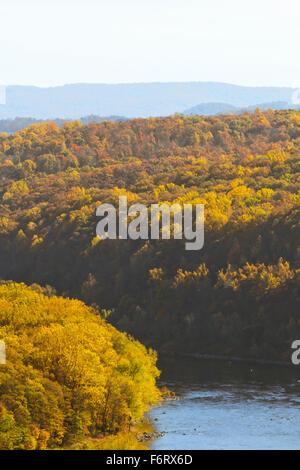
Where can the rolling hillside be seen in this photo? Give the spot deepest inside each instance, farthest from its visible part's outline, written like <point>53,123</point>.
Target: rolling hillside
<point>239,295</point>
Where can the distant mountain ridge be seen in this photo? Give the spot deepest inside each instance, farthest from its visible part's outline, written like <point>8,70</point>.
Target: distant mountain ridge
<point>212,109</point>
<point>203,109</point>
<point>131,99</point>
<point>13,125</point>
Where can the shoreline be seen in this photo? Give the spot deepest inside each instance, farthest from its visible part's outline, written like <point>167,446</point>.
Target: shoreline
<point>237,359</point>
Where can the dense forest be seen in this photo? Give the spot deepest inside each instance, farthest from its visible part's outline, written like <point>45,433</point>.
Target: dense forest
<point>240,295</point>
<point>71,380</point>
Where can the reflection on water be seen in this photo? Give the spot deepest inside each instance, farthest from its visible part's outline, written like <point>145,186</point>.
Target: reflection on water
<point>228,406</point>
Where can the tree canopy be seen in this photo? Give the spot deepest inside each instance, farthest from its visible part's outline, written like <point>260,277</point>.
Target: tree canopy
<point>69,375</point>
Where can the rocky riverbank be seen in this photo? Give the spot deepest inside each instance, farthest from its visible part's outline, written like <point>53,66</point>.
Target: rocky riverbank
<point>150,436</point>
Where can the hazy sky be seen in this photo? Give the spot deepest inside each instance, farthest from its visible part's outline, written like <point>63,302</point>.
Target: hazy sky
<point>51,42</point>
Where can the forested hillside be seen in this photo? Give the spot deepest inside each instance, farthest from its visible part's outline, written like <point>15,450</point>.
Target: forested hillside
<point>239,295</point>
<point>70,378</point>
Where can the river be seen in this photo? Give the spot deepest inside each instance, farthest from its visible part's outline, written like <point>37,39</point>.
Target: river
<point>223,405</point>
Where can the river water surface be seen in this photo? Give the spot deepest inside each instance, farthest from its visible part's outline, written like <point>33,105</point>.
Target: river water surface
<point>223,405</point>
